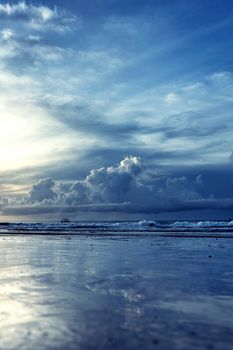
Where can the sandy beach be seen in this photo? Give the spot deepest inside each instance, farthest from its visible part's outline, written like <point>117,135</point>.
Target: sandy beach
<point>82,292</point>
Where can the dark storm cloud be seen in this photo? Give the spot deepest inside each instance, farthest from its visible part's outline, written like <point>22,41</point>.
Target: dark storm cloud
<point>190,205</point>
<point>127,208</point>
<point>56,209</point>
<point>217,178</point>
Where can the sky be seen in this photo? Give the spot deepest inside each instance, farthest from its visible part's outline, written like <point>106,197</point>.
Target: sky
<point>113,109</point>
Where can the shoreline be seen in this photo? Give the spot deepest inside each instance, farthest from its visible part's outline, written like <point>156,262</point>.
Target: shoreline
<point>128,234</point>
<point>113,292</point>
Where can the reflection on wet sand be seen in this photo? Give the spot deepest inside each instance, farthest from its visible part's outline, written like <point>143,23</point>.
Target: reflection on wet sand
<point>115,293</point>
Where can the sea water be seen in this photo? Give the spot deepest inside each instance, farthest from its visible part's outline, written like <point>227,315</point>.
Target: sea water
<point>122,292</point>
<point>111,227</point>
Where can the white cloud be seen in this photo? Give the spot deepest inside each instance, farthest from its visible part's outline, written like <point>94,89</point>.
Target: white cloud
<point>126,182</point>
<point>171,98</point>
<point>221,76</point>
<point>24,29</point>
<point>41,191</point>
<point>9,10</point>
<point>37,17</point>
<point>127,187</point>
<point>36,70</point>
<point>7,34</point>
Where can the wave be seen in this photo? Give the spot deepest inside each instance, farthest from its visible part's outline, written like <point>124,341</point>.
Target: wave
<point>117,226</point>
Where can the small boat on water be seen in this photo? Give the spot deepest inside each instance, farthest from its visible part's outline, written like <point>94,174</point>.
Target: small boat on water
<point>64,220</point>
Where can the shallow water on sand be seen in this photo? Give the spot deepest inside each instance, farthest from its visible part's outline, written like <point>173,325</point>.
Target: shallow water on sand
<point>80,292</point>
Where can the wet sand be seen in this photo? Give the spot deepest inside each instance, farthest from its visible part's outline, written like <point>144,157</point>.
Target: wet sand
<point>82,292</point>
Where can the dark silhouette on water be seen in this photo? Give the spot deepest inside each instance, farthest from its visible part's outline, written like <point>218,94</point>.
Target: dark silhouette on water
<point>65,220</point>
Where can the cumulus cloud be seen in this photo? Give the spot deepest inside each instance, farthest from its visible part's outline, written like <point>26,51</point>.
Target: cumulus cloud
<point>127,186</point>
<point>180,189</point>
<point>42,191</point>
<point>113,184</point>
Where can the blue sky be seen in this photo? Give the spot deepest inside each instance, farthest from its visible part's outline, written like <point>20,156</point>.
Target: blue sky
<point>116,109</point>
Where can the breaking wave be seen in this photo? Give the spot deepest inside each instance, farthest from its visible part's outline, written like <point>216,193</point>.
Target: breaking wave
<point>99,227</point>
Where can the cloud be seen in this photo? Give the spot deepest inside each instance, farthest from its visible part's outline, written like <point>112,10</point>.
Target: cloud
<point>68,209</point>
<point>127,182</point>
<point>171,98</point>
<point>37,17</point>
<point>128,187</point>
<point>4,201</point>
<point>85,119</point>
<point>115,183</point>
<point>31,34</point>
<point>189,124</point>
<point>103,185</point>
<point>98,92</point>
<point>7,34</point>
<point>41,192</point>
<point>191,206</point>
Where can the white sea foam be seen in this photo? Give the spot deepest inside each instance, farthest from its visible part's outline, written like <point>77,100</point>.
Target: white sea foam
<point>119,226</point>
<point>202,224</point>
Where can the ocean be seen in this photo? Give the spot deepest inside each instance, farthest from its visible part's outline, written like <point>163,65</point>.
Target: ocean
<point>131,285</point>
<point>204,227</point>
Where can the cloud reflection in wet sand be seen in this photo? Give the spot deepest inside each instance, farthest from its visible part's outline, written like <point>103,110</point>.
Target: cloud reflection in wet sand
<point>97,293</point>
